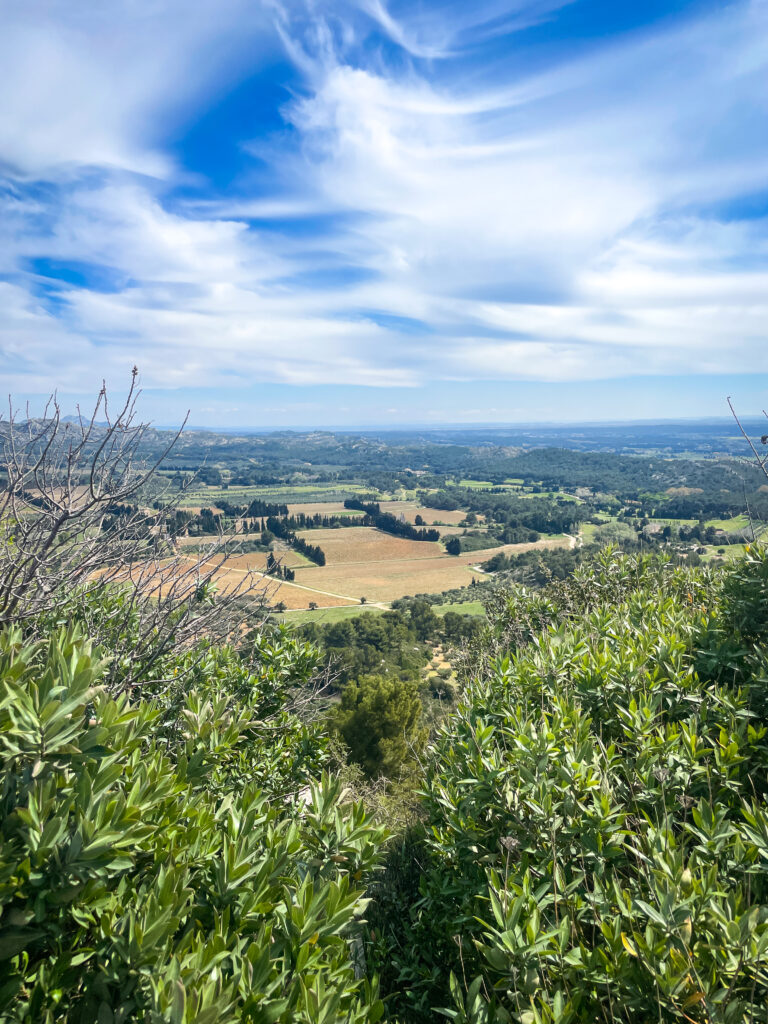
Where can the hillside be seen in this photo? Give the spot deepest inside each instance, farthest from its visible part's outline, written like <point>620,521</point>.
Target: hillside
<point>590,843</point>
<point>555,811</point>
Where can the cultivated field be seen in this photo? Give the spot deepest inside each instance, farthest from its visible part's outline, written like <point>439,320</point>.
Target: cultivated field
<point>365,544</point>
<point>289,494</point>
<point>322,616</point>
<point>324,508</point>
<point>258,560</point>
<point>382,580</point>
<point>362,562</point>
<point>410,509</point>
<point>292,595</point>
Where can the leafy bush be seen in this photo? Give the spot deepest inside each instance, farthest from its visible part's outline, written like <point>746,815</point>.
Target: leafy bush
<point>157,862</point>
<point>597,830</point>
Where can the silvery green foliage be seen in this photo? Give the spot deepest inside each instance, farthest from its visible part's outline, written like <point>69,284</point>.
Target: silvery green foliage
<point>155,864</point>
<point>596,841</point>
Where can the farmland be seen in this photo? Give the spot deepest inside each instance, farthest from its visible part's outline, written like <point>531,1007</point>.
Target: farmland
<point>368,568</point>
<point>364,563</point>
<point>365,544</point>
<point>323,508</point>
<point>497,500</point>
<point>302,496</point>
<point>432,516</point>
<point>399,572</point>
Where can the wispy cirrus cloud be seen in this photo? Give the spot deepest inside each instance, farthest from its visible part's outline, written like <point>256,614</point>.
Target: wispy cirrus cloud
<point>445,29</point>
<point>94,85</point>
<point>431,208</point>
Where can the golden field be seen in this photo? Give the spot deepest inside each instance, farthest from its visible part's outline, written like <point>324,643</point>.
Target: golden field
<point>363,562</point>
<point>410,509</point>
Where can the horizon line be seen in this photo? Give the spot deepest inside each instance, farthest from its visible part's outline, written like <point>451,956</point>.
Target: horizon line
<point>474,425</point>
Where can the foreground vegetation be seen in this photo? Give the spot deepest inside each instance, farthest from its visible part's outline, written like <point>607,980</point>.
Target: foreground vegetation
<point>595,828</point>
<point>590,844</point>
<point>156,864</point>
<point>202,830</point>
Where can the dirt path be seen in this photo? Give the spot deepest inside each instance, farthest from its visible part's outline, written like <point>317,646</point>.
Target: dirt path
<point>543,544</point>
<point>300,586</point>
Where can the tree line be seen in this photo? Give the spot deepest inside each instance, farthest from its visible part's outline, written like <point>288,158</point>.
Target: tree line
<point>513,514</point>
<point>302,521</point>
<point>312,551</point>
<point>388,523</point>
<point>280,528</point>
<point>277,569</point>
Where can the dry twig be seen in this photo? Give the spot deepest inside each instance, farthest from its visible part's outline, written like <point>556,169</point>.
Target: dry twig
<point>761,461</point>
<point>76,540</point>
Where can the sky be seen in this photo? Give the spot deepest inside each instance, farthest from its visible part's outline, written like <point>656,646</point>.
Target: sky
<point>383,212</point>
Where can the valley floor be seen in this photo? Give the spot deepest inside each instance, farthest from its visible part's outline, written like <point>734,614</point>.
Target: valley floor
<point>363,562</point>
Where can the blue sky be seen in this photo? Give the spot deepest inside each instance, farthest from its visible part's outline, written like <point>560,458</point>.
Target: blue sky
<point>375,212</point>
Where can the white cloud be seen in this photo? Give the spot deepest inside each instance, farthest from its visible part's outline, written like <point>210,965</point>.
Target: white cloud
<point>32,341</point>
<point>552,193</point>
<point>91,84</point>
<point>552,227</point>
<point>436,30</point>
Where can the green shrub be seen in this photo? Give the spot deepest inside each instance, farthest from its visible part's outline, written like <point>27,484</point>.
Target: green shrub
<point>597,831</point>
<point>746,596</point>
<point>156,860</point>
<point>379,719</point>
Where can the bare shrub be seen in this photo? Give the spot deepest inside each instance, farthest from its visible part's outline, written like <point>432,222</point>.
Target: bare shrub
<point>761,461</point>
<point>77,540</point>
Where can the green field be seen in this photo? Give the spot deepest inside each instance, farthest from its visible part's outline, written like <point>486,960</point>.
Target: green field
<point>672,522</point>
<point>324,615</point>
<point>730,551</point>
<point>729,525</point>
<point>588,530</point>
<point>552,495</point>
<point>299,495</point>
<point>461,607</point>
<point>732,525</point>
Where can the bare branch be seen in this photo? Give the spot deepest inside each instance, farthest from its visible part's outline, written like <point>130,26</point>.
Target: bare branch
<point>76,540</point>
<point>761,461</point>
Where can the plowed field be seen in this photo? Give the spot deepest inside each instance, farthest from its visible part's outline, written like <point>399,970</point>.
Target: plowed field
<point>362,562</point>
<point>410,509</point>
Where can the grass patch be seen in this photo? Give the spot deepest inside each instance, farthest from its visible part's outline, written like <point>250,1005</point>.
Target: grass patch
<point>672,522</point>
<point>479,542</point>
<point>739,522</point>
<point>730,551</point>
<point>281,494</point>
<point>588,530</point>
<point>323,615</point>
<point>461,608</point>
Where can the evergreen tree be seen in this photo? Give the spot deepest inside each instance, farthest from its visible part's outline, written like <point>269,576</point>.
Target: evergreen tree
<point>379,719</point>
